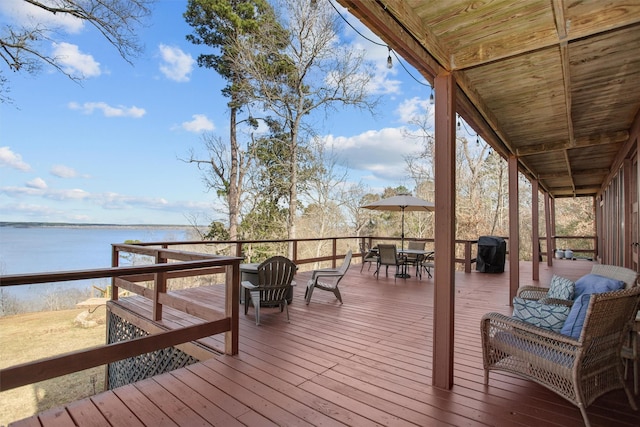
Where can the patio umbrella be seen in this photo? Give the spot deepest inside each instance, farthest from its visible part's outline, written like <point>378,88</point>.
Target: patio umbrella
<point>402,202</point>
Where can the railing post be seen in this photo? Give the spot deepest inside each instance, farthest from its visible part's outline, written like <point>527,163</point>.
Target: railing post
<point>159,286</point>
<point>335,252</point>
<point>467,256</point>
<point>239,249</point>
<point>294,251</point>
<point>115,260</point>
<point>232,307</point>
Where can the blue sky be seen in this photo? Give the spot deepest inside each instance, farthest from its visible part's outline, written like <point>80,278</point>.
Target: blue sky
<point>107,150</point>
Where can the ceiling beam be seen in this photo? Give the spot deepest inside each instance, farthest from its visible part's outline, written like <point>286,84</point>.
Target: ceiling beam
<point>588,141</point>
<point>576,173</point>
<point>562,31</point>
<point>570,192</point>
<point>590,24</point>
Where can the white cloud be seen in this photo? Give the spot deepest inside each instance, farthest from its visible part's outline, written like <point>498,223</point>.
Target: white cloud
<point>38,183</point>
<point>26,14</point>
<point>46,192</point>
<point>77,205</point>
<point>177,65</point>
<point>414,109</point>
<point>381,84</point>
<point>12,160</point>
<point>62,171</point>
<point>69,194</point>
<point>107,110</point>
<point>380,153</point>
<point>74,62</point>
<point>199,123</point>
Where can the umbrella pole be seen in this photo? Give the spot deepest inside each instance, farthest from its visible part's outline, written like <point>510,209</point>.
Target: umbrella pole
<point>403,272</point>
<point>402,236</point>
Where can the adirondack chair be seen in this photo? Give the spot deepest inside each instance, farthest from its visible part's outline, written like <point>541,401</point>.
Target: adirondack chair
<point>275,276</point>
<point>328,279</point>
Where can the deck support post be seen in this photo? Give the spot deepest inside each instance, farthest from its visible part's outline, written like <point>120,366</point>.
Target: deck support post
<point>548,230</point>
<point>444,276</point>
<point>514,229</point>
<point>535,230</point>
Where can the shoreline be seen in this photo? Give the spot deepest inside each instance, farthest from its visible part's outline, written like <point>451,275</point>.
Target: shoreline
<point>89,225</point>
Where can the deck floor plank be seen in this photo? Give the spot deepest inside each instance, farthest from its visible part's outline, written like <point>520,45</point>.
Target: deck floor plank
<point>144,409</point>
<point>84,413</point>
<point>114,410</point>
<point>366,362</point>
<point>56,417</point>
<point>198,403</point>
<point>170,403</point>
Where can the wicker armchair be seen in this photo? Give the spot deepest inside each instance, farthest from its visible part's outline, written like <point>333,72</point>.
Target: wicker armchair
<point>579,370</point>
<point>627,275</point>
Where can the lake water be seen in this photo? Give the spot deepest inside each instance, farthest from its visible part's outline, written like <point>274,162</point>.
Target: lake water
<point>49,248</point>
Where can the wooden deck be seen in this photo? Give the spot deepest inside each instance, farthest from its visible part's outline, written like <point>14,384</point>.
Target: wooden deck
<point>367,362</point>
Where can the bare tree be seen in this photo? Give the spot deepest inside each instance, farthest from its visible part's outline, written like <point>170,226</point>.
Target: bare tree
<point>311,72</point>
<point>228,26</point>
<point>223,171</point>
<point>21,48</point>
<point>10,304</point>
<point>325,197</point>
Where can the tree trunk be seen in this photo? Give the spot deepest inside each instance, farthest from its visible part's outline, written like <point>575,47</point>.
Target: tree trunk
<point>233,196</point>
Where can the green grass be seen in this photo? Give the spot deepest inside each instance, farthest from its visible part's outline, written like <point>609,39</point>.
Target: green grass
<point>32,336</point>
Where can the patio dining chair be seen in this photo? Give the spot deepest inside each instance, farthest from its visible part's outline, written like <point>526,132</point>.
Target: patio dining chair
<point>327,279</point>
<point>368,256</point>
<point>426,263</point>
<point>388,255</point>
<point>275,277</point>
<point>415,259</point>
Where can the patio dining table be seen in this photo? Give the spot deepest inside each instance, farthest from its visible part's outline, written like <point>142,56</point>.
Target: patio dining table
<point>427,254</point>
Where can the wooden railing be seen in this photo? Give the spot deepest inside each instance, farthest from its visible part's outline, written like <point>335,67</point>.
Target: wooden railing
<point>186,264</point>
<point>579,245</point>
<point>337,248</point>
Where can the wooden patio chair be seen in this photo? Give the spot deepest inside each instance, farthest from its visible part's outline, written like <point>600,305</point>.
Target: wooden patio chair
<point>580,370</point>
<point>328,279</point>
<point>275,277</point>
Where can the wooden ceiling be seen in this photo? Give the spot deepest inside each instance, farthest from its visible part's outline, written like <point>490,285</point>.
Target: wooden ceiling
<point>554,82</point>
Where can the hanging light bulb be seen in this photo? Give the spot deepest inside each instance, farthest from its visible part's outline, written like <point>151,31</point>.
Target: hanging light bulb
<point>389,61</point>
<point>431,99</point>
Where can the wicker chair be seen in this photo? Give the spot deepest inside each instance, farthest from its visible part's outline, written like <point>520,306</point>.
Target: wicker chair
<point>275,277</point>
<point>578,370</point>
<point>628,276</point>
